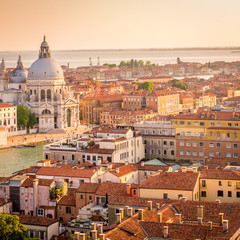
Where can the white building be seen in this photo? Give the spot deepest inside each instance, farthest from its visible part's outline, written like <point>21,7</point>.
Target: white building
<point>47,94</point>
<point>8,117</point>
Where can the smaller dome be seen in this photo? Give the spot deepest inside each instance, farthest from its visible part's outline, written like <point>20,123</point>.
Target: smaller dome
<point>19,75</point>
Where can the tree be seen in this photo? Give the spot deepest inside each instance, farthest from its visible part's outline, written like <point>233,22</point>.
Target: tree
<point>148,86</point>
<point>11,228</point>
<point>179,84</point>
<point>22,116</point>
<point>32,120</point>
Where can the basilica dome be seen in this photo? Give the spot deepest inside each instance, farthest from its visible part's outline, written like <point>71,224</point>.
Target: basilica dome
<point>20,74</point>
<point>45,67</point>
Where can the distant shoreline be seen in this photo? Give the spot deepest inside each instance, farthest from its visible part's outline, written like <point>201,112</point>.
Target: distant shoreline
<point>136,49</point>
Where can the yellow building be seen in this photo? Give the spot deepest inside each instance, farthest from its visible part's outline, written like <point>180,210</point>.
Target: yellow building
<point>171,185</point>
<point>223,185</point>
<point>205,134</point>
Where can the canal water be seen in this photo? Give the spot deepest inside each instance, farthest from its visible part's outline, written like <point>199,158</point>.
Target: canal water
<point>14,159</point>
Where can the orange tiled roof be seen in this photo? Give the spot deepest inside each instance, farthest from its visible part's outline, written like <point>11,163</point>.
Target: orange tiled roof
<point>121,171</point>
<point>35,220</point>
<point>220,174</point>
<point>5,105</point>
<point>88,187</point>
<point>172,180</point>
<point>67,201</point>
<point>41,182</point>
<point>112,189</point>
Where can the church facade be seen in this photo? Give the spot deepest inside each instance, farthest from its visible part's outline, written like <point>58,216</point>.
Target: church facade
<point>46,93</point>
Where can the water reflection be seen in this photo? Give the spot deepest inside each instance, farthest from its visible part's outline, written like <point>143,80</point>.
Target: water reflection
<point>14,159</point>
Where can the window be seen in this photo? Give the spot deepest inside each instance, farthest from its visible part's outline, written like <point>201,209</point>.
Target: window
<point>220,193</point>
<point>90,198</point>
<point>203,183</point>
<point>201,144</point>
<point>238,194</point>
<point>219,124</point>
<point>211,154</point>
<point>211,123</point>
<point>194,144</point>
<point>235,155</point>
<point>211,144</point>
<point>235,145</point>
<point>219,183</point>
<point>201,123</point>
<point>171,143</point>
<point>31,202</point>
<point>159,152</point>
<point>188,133</point>
<point>68,210</point>
<point>218,145</point>
<point>164,142</point>
<point>189,123</point>
<point>172,152</point>
<point>179,196</point>
<point>165,152</point>
<point>40,212</point>
<point>60,208</point>
<point>229,124</point>
<point>229,183</point>
<point>188,144</point>
<point>181,153</point>
<point>188,153</point>
<point>203,194</point>
<point>195,123</point>
<point>81,197</point>
<point>201,153</point>
<point>181,143</point>
<point>235,124</point>
<point>229,194</point>
<point>134,192</point>
<point>228,145</point>
<point>194,153</point>
<point>165,196</point>
<point>228,154</point>
<point>73,157</point>
<point>181,122</point>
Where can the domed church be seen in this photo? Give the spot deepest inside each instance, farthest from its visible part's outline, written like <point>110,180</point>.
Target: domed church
<point>47,94</point>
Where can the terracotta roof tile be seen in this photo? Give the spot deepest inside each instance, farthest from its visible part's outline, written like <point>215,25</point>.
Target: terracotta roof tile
<point>88,187</point>
<point>67,201</point>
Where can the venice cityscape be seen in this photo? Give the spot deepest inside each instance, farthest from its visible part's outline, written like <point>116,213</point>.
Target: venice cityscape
<point>120,120</point>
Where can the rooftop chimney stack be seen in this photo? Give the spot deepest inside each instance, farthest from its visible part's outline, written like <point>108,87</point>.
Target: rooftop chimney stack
<point>140,214</point>
<point>82,236</point>
<point>225,225</point>
<point>100,228</point>
<point>119,218</point>
<point>150,205</point>
<point>130,211</point>
<point>102,236</point>
<point>158,206</point>
<point>122,212</point>
<point>142,163</point>
<point>200,211</point>
<point>165,231</point>
<point>76,235</point>
<point>159,217</point>
<point>221,218</point>
<point>94,234</point>
<point>126,211</point>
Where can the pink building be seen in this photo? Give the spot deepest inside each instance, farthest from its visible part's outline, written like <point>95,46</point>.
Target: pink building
<point>35,197</point>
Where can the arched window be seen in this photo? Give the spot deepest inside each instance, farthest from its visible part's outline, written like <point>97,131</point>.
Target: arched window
<point>42,94</point>
<point>35,91</point>
<point>30,91</point>
<point>46,111</point>
<point>48,94</point>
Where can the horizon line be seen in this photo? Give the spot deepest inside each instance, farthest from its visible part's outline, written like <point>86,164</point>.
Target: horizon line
<point>135,49</point>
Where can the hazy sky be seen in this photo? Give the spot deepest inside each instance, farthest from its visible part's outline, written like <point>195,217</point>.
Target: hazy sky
<point>107,24</point>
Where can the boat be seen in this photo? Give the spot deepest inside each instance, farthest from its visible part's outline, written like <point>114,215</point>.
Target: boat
<point>29,145</point>
<point>18,146</point>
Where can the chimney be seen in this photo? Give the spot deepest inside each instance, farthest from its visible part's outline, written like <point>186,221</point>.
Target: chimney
<point>158,206</point>
<point>218,201</point>
<point>165,231</point>
<point>35,183</point>
<point>210,226</point>
<point>76,235</point>
<point>94,227</point>
<point>102,236</point>
<point>200,211</point>
<point>119,218</point>
<point>194,169</point>
<point>117,170</point>
<point>159,215</point>
<point>184,199</point>
<point>221,218</point>
<point>94,234</point>
<point>199,220</point>
<point>184,169</point>
<point>121,210</point>
<point>178,218</point>
<point>100,228</point>
<point>150,205</point>
<point>142,163</point>
<point>82,236</point>
<point>126,211</point>
<point>140,214</point>
<point>225,225</point>
<point>128,189</point>
<point>129,212</point>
